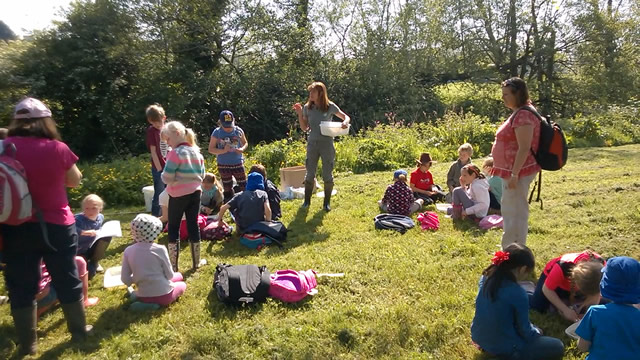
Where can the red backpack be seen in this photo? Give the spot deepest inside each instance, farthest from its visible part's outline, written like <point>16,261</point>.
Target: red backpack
<point>16,205</point>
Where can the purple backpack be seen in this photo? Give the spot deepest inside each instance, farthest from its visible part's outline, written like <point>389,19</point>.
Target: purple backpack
<point>293,286</point>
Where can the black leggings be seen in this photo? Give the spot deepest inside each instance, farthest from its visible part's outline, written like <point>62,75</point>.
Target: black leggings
<point>189,205</point>
<point>24,248</point>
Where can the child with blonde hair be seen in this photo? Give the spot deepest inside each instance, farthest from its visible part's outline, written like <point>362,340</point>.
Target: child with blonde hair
<point>211,198</point>
<point>88,222</point>
<point>570,284</point>
<point>398,197</point>
<point>612,331</point>
<point>465,151</point>
<point>146,264</point>
<point>183,174</point>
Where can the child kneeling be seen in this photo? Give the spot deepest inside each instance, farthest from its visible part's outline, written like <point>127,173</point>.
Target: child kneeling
<point>398,198</point>
<point>147,264</point>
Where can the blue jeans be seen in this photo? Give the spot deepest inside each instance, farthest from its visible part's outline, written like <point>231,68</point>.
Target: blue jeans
<point>158,187</point>
<point>540,348</point>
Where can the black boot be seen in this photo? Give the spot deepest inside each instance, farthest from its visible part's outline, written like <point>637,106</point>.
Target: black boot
<point>25,321</point>
<point>328,188</point>
<point>76,320</point>
<point>308,192</point>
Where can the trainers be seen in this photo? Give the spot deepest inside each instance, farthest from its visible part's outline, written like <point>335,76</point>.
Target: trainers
<point>99,268</point>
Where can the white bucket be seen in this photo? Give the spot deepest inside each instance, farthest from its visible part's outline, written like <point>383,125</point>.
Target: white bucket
<point>148,196</point>
<point>333,128</point>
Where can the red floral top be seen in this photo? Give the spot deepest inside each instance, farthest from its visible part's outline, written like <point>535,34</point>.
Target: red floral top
<point>505,146</point>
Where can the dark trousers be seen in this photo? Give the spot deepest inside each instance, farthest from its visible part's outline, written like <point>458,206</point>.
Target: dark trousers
<point>189,205</point>
<point>158,187</point>
<point>493,202</point>
<point>24,248</point>
<point>539,302</point>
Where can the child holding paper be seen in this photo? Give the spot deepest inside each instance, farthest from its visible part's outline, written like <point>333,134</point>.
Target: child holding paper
<point>88,222</point>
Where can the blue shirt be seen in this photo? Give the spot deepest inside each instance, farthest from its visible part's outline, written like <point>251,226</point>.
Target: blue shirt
<point>613,330</point>
<point>84,223</point>
<point>502,326</point>
<point>233,138</point>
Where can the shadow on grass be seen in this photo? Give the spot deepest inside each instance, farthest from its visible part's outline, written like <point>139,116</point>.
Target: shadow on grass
<point>112,322</point>
<point>303,230</point>
<point>468,226</point>
<point>220,310</point>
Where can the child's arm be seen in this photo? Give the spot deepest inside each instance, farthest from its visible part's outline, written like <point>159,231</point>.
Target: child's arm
<point>521,313</point>
<point>154,158</point>
<point>450,177</point>
<point>213,147</point>
<point>554,299</point>
<point>583,345</point>
<point>420,191</point>
<point>223,209</point>
<point>125,273</point>
<point>243,141</point>
<point>166,263</point>
<point>169,173</point>
<point>267,210</point>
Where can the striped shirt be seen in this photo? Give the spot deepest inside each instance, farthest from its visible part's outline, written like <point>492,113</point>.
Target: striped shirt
<point>184,171</point>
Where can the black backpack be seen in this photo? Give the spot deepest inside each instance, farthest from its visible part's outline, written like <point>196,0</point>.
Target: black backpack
<point>553,150</point>
<point>241,284</point>
<point>274,230</point>
<point>395,222</point>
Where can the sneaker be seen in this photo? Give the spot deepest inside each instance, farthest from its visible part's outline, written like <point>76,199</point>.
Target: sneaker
<point>99,268</point>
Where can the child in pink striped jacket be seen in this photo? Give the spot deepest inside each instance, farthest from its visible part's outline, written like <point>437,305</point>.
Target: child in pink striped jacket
<point>183,174</point>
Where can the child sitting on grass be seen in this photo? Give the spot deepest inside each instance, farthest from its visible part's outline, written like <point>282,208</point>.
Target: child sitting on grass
<point>501,325</point>
<point>47,297</point>
<point>612,331</point>
<point>471,198</point>
<point>249,206</point>
<point>272,191</point>
<point>211,198</point>
<point>422,181</point>
<point>567,281</point>
<point>465,151</point>
<point>146,264</point>
<point>88,222</point>
<point>495,185</point>
<point>398,198</point>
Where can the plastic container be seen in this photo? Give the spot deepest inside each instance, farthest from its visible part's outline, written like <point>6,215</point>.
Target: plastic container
<point>112,277</point>
<point>148,196</point>
<point>333,128</point>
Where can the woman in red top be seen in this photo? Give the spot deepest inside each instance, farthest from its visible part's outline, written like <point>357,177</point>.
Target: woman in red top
<point>513,160</point>
<point>51,168</point>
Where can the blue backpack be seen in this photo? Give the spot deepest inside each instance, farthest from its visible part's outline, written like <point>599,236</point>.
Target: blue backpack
<point>395,222</point>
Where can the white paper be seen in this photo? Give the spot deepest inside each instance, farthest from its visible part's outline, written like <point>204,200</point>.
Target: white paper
<point>108,229</point>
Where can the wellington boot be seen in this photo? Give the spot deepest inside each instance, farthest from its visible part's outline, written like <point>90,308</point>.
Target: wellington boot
<point>195,256</point>
<point>25,321</point>
<point>308,192</point>
<point>328,188</point>
<point>76,320</point>
<point>174,253</point>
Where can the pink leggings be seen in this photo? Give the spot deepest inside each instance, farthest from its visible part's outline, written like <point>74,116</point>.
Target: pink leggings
<point>179,287</point>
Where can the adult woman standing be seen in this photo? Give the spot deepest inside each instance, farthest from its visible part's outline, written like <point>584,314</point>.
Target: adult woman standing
<point>516,141</point>
<point>50,167</point>
<point>317,109</point>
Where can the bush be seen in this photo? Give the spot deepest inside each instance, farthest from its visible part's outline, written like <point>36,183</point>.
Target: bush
<point>480,99</point>
<point>612,126</point>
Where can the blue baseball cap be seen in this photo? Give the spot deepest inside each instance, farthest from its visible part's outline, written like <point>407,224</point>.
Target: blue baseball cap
<point>399,172</point>
<point>621,280</point>
<point>226,118</point>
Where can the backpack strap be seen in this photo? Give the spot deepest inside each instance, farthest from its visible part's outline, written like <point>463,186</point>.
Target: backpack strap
<point>537,184</point>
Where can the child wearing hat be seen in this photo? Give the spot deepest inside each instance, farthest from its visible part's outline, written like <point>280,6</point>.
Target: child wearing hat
<point>398,198</point>
<point>422,181</point>
<point>147,264</point>
<point>249,206</point>
<point>612,331</point>
<point>228,142</point>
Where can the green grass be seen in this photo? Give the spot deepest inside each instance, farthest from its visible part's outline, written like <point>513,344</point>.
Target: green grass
<point>405,296</point>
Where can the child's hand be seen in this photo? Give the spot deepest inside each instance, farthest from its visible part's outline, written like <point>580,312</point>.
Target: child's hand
<point>569,314</point>
<point>206,210</point>
<point>238,150</point>
<point>88,233</point>
<point>464,213</point>
<point>298,108</point>
<point>227,148</point>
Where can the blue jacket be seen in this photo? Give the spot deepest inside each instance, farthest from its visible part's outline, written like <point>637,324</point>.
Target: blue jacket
<point>502,326</point>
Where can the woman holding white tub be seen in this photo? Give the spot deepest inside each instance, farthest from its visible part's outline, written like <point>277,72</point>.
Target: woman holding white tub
<point>318,109</point>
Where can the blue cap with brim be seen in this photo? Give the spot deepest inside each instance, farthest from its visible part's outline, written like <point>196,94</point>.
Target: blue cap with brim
<point>621,280</point>
<point>397,173</point>
<point>226,118</point>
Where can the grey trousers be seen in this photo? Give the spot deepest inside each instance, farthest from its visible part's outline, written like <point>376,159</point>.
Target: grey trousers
<point>320,150</point>
<point>460,197</point>
<point>515,211</point>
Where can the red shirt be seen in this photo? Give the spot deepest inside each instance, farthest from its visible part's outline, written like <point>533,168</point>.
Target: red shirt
<point>555,275</point>
<point>46,163</point>
<point>153,139</point>
<point>505,146</point>
<point>422,180</point>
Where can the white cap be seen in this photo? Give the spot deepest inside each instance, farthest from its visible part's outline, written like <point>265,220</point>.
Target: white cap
<point>36,109</point>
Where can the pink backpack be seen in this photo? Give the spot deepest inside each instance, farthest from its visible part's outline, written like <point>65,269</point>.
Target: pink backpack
<point>16,206</point>
<point>429,220</point>
<point>292,286</point>
<point>490,221</point>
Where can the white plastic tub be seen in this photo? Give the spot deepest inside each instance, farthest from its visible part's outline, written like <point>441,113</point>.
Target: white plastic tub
<point>333,128</point>
<point>148,196</point>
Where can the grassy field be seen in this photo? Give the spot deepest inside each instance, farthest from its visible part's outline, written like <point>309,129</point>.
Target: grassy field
<point>405,296</point>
